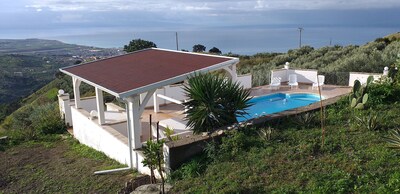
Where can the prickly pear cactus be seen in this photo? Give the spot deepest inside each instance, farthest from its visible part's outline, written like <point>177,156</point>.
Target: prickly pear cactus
<point>359,96</point>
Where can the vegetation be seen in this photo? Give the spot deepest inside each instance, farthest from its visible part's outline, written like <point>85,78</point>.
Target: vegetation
<point>214,102</point>
<point>27,65</point>
<point>40,157</point>
<point>139,44</point>
<point>281,157</point>
<point>335,62</point>
<point>58,163</point>
<point>359,95</point>
<point>199,48</point>
<point>215,50</point>
<point>154,158</point>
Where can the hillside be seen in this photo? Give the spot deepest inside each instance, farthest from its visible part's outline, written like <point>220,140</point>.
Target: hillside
<point>332,61</point>
<point>354,158</point>
<point>27,65</point>
<point>393,36</point>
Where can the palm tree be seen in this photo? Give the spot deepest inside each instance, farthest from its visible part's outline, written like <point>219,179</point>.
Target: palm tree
<point>214,102</point>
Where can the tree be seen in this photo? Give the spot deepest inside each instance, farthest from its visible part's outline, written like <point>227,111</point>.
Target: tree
<point>214,102</point>
<point>139,44</point>
<point>154,157</point>
<point>199,48</point>
<point>215,50</point>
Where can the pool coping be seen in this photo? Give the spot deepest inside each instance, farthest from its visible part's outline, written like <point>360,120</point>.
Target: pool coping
<point>313,106</point>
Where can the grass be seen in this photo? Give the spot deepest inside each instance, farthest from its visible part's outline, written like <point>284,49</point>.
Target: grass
<point>58,164</point>
<point>352,160</point>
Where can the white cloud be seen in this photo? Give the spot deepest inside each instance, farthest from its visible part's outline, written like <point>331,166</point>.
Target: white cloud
<point>207,5</point>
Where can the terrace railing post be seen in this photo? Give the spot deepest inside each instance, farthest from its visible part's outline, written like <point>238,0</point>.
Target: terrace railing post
<point>77,95</point>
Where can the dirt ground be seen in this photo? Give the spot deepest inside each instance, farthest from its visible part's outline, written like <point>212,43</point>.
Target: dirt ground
<point>56,167</point>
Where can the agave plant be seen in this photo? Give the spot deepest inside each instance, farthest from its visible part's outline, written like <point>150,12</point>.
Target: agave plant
<point>305,120</point>
<point>214,102</point>
<point>393,139</point>
<point>370,121</point>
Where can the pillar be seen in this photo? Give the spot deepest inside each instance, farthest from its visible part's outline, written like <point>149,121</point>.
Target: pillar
<point>155,103</point>
<point>100,106</point>
<point>134,118</point>
<point>77,95</point>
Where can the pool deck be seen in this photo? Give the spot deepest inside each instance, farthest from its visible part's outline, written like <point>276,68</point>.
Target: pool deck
<point>331,94</point>
<point>175,112</point>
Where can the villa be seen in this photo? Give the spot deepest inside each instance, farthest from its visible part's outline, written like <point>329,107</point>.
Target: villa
<point>150,82</point>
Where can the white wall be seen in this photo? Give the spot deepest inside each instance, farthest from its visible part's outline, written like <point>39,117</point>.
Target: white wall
<point>88,132</point>
<point>362,77</point>
<point>303,76</point>
<point>282,73</point>
<point>105,139</point>
<point>245,81</point>
<point>65,108</point>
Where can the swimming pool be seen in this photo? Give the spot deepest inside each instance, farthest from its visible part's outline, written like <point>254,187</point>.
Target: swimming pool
<point>278,102</point>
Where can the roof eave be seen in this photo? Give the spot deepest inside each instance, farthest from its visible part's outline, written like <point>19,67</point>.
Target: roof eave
<point>90,83</point>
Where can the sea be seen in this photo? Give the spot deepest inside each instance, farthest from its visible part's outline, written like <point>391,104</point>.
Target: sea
<point>235,40</point>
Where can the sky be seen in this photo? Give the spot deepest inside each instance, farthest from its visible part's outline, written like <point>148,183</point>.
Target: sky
<point>56,18</point>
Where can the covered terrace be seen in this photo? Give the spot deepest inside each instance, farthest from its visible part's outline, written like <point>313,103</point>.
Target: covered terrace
<point>134,79</point>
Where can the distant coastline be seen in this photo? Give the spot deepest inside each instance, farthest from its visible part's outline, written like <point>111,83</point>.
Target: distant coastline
<point>237,40</point>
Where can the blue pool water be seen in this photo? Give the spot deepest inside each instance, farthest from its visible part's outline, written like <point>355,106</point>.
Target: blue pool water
<point>278,102</point>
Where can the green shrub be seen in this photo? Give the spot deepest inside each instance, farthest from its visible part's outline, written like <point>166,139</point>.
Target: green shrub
<point>383,93</point>
<point>46,120</point>
<point>31,122</point>
<point>237,141</point>
<point>191,169</point>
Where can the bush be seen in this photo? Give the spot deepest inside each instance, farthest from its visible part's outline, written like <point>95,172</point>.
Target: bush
<point>31,122</point>
<point>46,120</point>
<point>237,141</point>
<point>383,93</point>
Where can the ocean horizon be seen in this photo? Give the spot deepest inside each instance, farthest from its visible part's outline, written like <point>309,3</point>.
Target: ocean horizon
<point>235,40</point>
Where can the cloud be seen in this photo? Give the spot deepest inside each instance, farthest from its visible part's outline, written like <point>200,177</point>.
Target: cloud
<point>208,5</point>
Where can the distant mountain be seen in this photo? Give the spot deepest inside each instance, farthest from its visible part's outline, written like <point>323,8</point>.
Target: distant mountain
<point>39,46</point>
<point>12,46</point>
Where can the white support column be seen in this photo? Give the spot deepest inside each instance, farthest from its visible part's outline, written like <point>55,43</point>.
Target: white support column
<point>134,120</point>
<point>155,103</point>
<point>146,100</point>
<point>232,71</point>
<point>100,106</point>
<point>135,111</point>
<point>77,95</point>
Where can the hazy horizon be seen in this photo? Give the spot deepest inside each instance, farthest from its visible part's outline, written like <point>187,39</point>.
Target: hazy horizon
<point>241,26</point>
